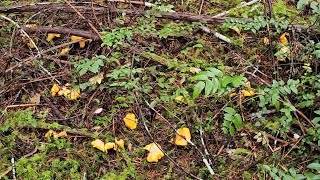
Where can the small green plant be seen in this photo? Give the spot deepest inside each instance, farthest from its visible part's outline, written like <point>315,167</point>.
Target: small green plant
<point>232,121</point>
<point>254,26</point>
<point>116,37</point>
<point>89,65</point>
<point>292,173</point>
<point>214,81</point>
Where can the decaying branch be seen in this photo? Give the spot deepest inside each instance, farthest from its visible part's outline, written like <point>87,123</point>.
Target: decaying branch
<point>63,30</point>
<point>103,10</point>
<point>99,10</point>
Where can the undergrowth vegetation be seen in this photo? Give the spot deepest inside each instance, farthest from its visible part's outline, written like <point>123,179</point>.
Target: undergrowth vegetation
<point>251,106</point>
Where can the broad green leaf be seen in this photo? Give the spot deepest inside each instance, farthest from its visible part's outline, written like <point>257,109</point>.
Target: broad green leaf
<point>302,3</point>
<point>197,89</point>
<point>238,80</point>
<point>317,112</point>
<point>199,77</point>
<point>294,89</point>
<point>226,80</point>
<point>216,72</point>
<point>208,88</point>
<point>315,166</point>
<point>215,82</point>
<point>237,121</point>
<point>230,110</point>
<point>231,130</point>
<point>228,117</point>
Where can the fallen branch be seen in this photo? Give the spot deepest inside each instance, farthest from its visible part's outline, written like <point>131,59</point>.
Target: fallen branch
<point>63,30</point>
<point>238,7</point>
<point>103,10</point>
<point>82,17</point>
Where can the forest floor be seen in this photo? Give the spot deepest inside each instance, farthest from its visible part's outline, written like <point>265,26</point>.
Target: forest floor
<point>188,89</point>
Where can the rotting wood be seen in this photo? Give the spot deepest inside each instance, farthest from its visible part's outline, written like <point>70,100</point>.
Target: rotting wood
<point>63,30</point>
<point>102,10</point>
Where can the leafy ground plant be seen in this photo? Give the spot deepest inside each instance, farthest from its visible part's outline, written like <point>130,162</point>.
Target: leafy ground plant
<point>160,90</point>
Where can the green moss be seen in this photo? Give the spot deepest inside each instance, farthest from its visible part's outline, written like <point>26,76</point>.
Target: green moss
<point>281,8</point>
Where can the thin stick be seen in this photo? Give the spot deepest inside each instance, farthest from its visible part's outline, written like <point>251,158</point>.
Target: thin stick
<point>216,34</point>
<point>22,31</point>
<point>21,105</point>
<point>151,137</point>
<point>43,52</point>
<point>147,4</point>
<point>204,144</point>
<point>244,4</point>
<point>204,159</point>
<point>201,6</point>
<point>82,17</point>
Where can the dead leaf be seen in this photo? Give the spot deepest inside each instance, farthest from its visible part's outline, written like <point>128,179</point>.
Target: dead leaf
<point>236,29</point>
<point>96,79</point>
<point>130,121</point>
<point>35,99</point>
<point>183,141</point>
<point>155,153</point>
<point>51,36</point>
<point>194,70</point>
<point>97,111</point>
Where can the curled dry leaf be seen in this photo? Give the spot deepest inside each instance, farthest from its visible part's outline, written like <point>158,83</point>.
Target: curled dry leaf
<point>97,111</point>
<point>35,99</point>
<point>130,121</point>
<point>155,153</point>
<point>182,141</point>
<point>194,70</point>
<point>51,36</point>
<point>96,79</point>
